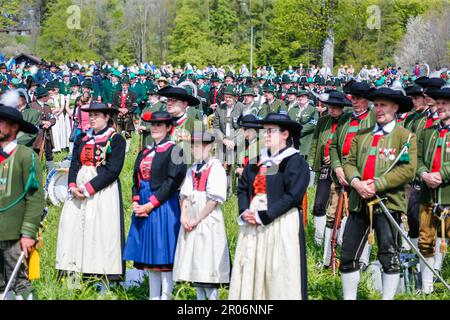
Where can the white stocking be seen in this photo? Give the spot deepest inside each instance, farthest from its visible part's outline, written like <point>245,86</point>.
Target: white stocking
<point>212,293</point>
<point>201,294</point>
<point>154,281</point>
<point>167,285</point>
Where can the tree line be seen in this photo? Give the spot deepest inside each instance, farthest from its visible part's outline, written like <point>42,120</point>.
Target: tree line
<point>285,32</point>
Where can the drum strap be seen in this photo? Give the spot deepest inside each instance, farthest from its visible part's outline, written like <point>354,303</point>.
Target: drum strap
<point>32,184</point>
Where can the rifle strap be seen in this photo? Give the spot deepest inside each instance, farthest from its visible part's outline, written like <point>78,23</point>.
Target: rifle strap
<point>370,206</point>
<point>443,246</point>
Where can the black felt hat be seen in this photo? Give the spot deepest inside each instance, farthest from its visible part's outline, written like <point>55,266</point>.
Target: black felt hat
<point>405,103</point>
<point>100,107</point>
<point>179,94</point>
<point>249,121</point>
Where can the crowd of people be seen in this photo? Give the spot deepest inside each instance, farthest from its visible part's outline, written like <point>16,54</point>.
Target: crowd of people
<point>205,134</point>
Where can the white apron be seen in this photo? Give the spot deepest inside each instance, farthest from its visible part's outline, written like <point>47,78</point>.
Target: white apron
<point>202,254</point>
<point>267,259</point>
<point>89,234</point>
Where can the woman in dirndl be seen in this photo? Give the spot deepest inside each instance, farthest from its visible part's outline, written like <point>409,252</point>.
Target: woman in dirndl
<point>159,172</point>
<point>202,255</point>
<point>270,258</point>
<point>91,229</point>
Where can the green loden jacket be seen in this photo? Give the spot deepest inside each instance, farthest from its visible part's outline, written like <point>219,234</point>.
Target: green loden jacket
<point>427,144</point>
<point>419,123</point>
<point>34,117</point>
<point>276,106</point>
<point>319,140</point>
<point>390,185</point>
<point>341,132</point>
<point>24,217</point>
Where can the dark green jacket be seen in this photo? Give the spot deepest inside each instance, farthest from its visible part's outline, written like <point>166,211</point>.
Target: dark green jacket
<point>276,106</point>
<point>427,145</point>
<point>65,88</point>
<point>320,137</point>
<point>108,90</point>
<point>139,91</point>
<point>420,123</point>
<point>388,184</point>
<point>34,117</point>
<point>23,218</point>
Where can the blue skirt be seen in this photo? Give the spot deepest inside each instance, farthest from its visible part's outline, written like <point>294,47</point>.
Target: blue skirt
<point>152,241</point>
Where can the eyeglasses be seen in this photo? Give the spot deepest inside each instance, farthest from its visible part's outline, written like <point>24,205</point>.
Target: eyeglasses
<point>269,131</point>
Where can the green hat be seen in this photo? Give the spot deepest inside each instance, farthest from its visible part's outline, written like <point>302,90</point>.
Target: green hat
<point>116,73</point>
<point>231,90</point>
<point>302,93</point>
<point>51,85</point>
<point>132,75</point>
<point>292,90</point>
<point>215,78</point>
<point>153,90</point>
<point>191,76</point>
<point>269,88</point>
<point>286,79</point>
<point>87,84</point>
<point>142,72</point>
<point>249,92</point>
<point>41,92</point>
<point>89,74</point>
<point>74,82</point>
<point>126,79</point>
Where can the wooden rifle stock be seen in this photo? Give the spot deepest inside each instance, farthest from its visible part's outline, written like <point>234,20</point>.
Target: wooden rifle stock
<point>336,226</point>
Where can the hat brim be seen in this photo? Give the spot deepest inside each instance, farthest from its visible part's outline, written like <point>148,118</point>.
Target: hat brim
<point>166,120</point>
<point>24,126</point>
<point>250,125</point>
<point>292,126</point>
<point>111,110</point>
<point>404,103</point>
<point>336,103</point>
<point>438,94</point>
<point>192,101</point>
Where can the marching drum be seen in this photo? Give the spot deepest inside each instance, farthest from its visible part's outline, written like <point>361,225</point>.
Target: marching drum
<point>56,184</point>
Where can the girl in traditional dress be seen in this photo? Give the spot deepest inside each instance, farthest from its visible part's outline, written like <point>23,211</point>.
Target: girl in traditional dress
<point>158,174</point>
<point>69,107</point>
<point>55,105</point>
<point>80,118</point>
<point>270,258</point>
<point>91,232</point>
<point>202,255</point>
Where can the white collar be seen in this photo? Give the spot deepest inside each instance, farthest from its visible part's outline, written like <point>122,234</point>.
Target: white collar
<point>386,129</point>
<point>10,147</point>
<point>360,114</point>
<point>270,160</point>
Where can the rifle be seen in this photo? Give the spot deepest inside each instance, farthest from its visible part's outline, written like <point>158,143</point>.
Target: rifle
<point>336,226</point>
<point>391,219</point>
<point>42,146</point>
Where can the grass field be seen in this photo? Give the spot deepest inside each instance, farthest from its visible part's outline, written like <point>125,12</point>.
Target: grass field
<point>321,283</point>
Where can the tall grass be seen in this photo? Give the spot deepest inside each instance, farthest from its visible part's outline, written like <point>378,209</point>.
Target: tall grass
<point>322,285</point>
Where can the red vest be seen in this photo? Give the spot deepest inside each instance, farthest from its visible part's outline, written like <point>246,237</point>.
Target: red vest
<point>351,132</point>
<point>437,156</point>
<point>201,178</point>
